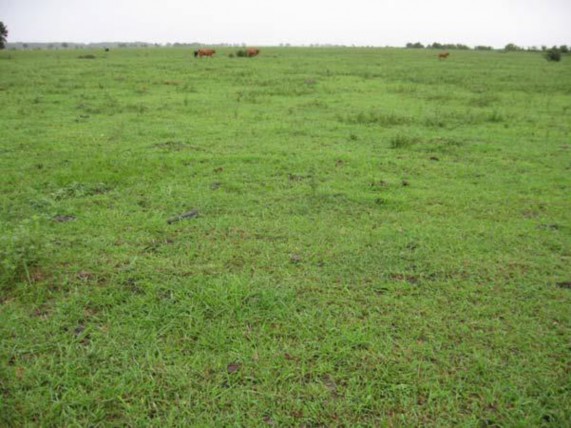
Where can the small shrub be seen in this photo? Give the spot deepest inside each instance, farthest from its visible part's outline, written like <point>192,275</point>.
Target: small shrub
<point>89,56</point>
<point>378,118</point>
<point>19,251</point>
<point>402,141</point>
<point>496,117</point>
<point>241,53</point>
<point>553,54</point>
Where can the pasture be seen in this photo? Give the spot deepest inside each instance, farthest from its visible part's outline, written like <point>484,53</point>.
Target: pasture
<point>310,237</point>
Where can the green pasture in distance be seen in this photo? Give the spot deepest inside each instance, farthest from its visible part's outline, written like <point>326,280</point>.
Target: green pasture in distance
<point>311,237</point>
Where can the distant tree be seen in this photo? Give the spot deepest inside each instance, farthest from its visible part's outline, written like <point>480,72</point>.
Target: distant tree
<point>436,45</point>
<point>3,35</point>
<point>553,54</point>
<point>483,48</point>
<point>511,47</point>
<point>416,45</point>
<point>564,49</point>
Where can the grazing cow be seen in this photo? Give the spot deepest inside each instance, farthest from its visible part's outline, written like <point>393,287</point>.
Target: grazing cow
<point>250,52</point>
<point>443,55</point>
<point>204,52</point>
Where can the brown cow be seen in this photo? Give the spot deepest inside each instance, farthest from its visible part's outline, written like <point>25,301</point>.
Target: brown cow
<point>443,55</point>
<point>250,52</point>
<point>204,52</point>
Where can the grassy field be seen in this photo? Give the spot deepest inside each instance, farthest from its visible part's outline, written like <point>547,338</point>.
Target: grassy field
<point>373,237</point>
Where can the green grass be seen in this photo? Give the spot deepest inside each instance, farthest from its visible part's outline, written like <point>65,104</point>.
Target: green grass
<point>382,239</point>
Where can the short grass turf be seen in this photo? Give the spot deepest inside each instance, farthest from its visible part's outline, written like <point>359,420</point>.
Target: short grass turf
<point>374,237</point>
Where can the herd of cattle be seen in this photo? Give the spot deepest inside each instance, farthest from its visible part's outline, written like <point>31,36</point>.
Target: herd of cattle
<point>252,52</point>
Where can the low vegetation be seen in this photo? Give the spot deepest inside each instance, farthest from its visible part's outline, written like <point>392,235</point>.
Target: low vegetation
<point>320,237</point>
<point>553,54</point>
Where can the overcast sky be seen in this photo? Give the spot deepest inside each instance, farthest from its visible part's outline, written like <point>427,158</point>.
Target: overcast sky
<point>271,22</point>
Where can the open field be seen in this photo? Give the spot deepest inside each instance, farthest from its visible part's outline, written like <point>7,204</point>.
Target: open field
<point>376,238</point>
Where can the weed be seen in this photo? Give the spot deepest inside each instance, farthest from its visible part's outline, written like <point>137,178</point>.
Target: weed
<point>402,141</point>
<point>496,117</point>
<point>377,118</point>
<point>20,250</point>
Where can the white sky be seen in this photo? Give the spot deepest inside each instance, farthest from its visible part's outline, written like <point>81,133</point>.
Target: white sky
<point>271,22</point>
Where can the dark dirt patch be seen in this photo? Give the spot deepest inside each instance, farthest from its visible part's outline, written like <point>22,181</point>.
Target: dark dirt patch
<point>37,275</point>
<point>84,275</point>
<point>183,216</point>
<point>269,421</point>
<point>78,332</point>
<point>131,285</point>
<point>215,186</point>
<point>63,218</point>
<point>41,312</point>
<point>154,245</point>
<point>411,279</point>
<point>177,146</point>
<point>295,177</point>
<point>330,384</point>
<point>564,284</point>
<point>79,329</point>
<point>233,367</point>
<point>290,357</point>
<point>295,258</point>
<point>171,145</point>
<point>549,226</point>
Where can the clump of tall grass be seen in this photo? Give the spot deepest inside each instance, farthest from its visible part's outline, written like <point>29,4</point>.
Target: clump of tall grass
<point>20,250</point>
<point>400,141</point>
<point>378,118</point>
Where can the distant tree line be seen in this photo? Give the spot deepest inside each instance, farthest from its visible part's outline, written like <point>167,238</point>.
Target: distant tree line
<point>437,45</point>
<point>100,45</point>
<point>71,45</point>
<point>510,47</point>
